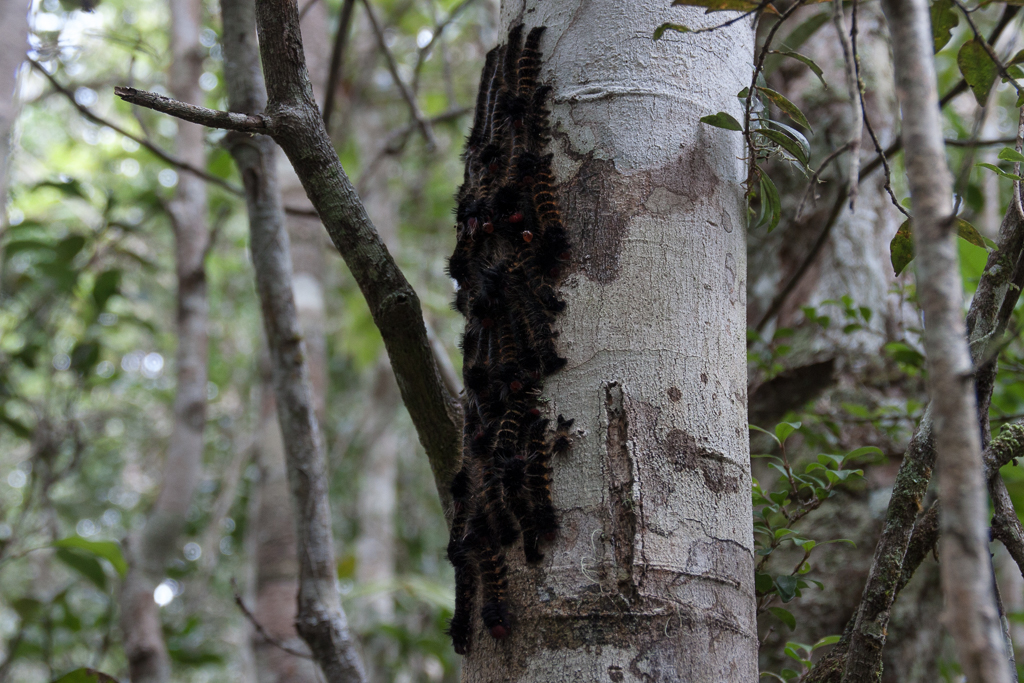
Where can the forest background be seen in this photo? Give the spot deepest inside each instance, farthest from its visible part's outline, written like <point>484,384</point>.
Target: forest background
<point>88,342</point>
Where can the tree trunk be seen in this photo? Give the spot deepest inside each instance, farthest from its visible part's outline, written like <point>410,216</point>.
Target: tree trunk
<point>13,44</point>
<point>651,576</point>
<point>140,619</point>
<point>277,571</point>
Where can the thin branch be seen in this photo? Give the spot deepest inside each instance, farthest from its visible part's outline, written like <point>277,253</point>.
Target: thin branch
<point>752,90</point>
<point>212,118</point>
<point>305,8</point>
<point>971,142</point>
<point>854,89</point>
<point>337,59</point>
<point>395,143</point>
<point>262,632</point>
<point>147,144</point>
<point>439,28</point>
<point>812,183</point>
<point>407,95</point>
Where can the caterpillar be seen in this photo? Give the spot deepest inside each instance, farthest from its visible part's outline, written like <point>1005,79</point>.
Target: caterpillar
<point>507,263</point>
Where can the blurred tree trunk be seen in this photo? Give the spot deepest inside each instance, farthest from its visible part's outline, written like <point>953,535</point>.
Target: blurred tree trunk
<point>651,575</point>
<point>277,571</point>
<point>834,367</point>
<point>13,44</point>
<point>151,549</point>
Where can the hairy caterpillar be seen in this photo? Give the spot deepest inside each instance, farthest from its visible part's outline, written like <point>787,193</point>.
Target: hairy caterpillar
<point>510,245</point>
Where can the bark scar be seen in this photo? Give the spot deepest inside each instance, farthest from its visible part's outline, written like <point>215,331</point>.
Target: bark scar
<point>623,504</point>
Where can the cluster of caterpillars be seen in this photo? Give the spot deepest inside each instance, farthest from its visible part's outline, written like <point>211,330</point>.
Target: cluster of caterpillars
<point>507,262</point>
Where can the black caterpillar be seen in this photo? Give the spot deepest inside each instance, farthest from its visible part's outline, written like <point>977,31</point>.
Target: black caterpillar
<point>507,263</point>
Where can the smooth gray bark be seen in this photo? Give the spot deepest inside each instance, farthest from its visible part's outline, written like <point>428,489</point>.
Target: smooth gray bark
<point>971,613</point>
<point>320,619</point>
<point>13,44</point>
<point>651,575</point>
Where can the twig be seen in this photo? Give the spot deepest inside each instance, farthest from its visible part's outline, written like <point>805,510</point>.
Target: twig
<point>439,28</point>
<point>212,118</point>
<point>337,58</point>
<point>395,143</point>
<point>814,179</point>
<point>761,6</point>
<point>262,632</point>
<point>148,145</point>
<point>407,95</point>
<point>853,88</point>
<point>752,90</point>
<point>971,142</point>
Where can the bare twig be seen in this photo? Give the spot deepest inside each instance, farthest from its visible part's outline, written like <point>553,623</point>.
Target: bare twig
<point>212,118</point>
<point>337,59</point>
<point>424,52</point>
<point>813,181</point>
<point>144,142</point>
<point>853,88</point>
<point>262,632</point>
<point>407,95</point>
<point>971,142</point>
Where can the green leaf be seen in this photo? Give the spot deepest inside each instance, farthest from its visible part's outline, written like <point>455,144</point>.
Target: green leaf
<point>108,550</point>
<point>27,608</point>
<point>968,232</point>
<point>14,246</point>
<point>784,429</point>
<point>977,68</point>
<point>678,28</point>
<point>105,287</point>
<point>765,431</point>
<point>722,120</point>
<point>785,616</point>
<point>944,20</point>
<point>827,640</point>
<point>787,587</point>
<point>1010,154</point>
<point>86,565</point>
<point>763,583</point>
<point>901,248</point>
<point>770,201</point>
<point>785,142</point>
<point>806,60</point>
<point>1000,171</point>
<point>790,109</point>
<point>85,675</point>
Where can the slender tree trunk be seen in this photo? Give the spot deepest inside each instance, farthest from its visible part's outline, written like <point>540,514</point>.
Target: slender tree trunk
<point>320,619</point>
<point>276,569</point>
<point>971,613</point>
<point>651,575</point>
<point>13,44</point>
<point>140,620</point>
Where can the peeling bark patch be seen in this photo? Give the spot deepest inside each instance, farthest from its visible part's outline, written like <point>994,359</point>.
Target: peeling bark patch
<point>674,394</point>
<point>684,453</point>
<point>619,463</point>
<point>601,202</point>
